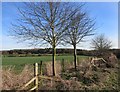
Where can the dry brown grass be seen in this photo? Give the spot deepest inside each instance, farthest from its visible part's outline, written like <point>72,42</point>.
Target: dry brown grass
<point>0,78</point>
<point>48,68</point>
<point>11,81</point>
<point>57,68</point>
<point>84,78</point>
<point>60,85</point>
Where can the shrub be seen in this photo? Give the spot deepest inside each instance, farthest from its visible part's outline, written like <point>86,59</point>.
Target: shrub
<point>11,81</point>
<point>95,77</point>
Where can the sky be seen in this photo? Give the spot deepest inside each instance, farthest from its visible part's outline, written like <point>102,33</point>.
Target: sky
<point>105,14</point>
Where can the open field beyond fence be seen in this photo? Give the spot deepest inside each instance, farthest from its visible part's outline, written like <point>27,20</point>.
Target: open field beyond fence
<point>31,60</point>
<point>19,62</point>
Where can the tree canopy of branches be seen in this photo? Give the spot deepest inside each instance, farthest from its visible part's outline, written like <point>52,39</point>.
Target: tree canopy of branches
<point>44,22</point>
<point>81,26</point>
<point>101,43</point>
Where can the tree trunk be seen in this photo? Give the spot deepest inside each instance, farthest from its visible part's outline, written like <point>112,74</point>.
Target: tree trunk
<point>53,60</point>
<point>75,57</point>
<point>54,50</point>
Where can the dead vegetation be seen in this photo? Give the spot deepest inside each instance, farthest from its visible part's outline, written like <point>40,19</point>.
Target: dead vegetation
<point>12,81</point>
<point>88,76</point>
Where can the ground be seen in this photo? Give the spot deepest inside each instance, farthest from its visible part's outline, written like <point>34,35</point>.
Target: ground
<point>93,79</point>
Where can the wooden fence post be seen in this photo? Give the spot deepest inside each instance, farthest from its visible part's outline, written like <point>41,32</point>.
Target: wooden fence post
<point>40,67</point>
<point>78,62</point>
<point>36,75</point>
<point>63,65</point>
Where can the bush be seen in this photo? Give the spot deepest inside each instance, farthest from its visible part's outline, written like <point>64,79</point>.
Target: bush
<point>65,76</point>
<point>95,77</point>
<point>87,80</point>
<point>94,68</point>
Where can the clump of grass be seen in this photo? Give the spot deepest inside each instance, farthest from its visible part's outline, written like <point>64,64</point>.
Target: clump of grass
<point>11,81</point>
<point>112,81</point>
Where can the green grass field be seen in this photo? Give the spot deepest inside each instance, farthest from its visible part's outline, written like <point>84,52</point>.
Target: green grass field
<point>19,62</point>
<point>31,60</point>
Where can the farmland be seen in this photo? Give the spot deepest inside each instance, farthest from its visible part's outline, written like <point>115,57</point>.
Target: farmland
<point>20,62</point>
<point>31,60</point>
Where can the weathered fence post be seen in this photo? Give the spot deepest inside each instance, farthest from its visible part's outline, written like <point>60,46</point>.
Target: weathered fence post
<point>78,61</point>
<point>40,67</point>
<point>36,75</point>
<point>63,65</point>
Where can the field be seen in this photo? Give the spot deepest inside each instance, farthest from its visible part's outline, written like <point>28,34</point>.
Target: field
<point>20,62</point>
<point>19,70</point>
<point>31,60</point>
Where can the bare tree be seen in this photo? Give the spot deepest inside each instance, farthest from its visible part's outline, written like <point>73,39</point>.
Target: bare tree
<point>81,26</point>
<point>44,23</point>
<point>101,43</point>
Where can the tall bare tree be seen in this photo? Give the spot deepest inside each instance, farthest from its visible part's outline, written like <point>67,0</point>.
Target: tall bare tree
<point>101,43</point>
<point>44,22</point>
<point>81,26</point>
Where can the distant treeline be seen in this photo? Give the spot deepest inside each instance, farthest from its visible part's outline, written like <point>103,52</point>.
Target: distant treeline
<point>58,51</point>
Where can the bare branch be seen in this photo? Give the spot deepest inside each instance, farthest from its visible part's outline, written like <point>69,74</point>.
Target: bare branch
<point>100,42</point>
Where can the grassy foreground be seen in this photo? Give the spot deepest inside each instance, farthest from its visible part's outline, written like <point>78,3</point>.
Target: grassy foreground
<point>93,78</point>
